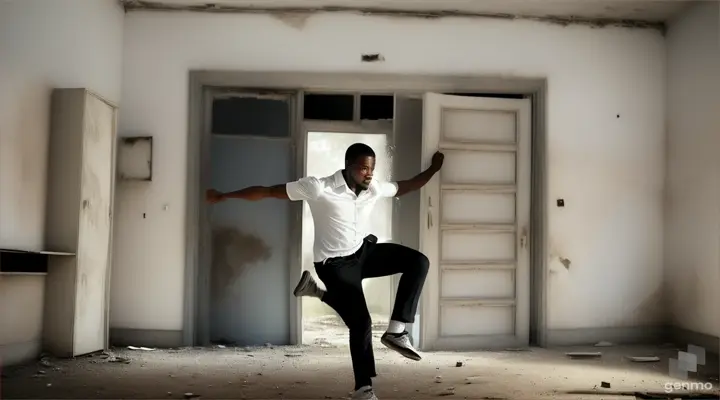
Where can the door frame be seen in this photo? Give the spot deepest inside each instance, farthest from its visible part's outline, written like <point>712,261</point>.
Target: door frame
<point>401,84</point>
<point>202,273</point>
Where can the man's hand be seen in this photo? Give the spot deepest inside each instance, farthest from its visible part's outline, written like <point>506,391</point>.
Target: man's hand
<point>437,161</point>
<point>422,178</point>
<point>213,196</point>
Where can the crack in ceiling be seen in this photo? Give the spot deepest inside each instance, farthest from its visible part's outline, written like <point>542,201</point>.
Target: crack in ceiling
<point>564,20</point>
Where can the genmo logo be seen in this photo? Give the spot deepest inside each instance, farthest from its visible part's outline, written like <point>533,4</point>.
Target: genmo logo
<point>688,386</point>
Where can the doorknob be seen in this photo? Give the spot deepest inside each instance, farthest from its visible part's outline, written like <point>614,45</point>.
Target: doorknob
<point>523,239</point>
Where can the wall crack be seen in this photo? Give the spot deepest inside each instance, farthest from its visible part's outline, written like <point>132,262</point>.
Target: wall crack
<point>283,12</point>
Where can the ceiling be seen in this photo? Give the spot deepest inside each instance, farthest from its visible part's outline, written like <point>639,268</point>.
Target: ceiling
<point>652,12</point>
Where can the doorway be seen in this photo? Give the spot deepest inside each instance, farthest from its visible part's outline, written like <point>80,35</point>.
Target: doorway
<point>331,123</point>
<point>325,155</point>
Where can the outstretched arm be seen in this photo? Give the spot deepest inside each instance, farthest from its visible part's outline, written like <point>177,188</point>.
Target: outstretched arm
<point>422,178</point>
<point>303,189</point>
<point>252,193</point>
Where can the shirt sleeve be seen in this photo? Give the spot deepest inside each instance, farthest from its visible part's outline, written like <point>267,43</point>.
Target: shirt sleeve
<point>303,189</point>
<point>387,189</point>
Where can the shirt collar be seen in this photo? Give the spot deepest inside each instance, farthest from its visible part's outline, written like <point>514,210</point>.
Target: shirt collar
<point>339,179</point>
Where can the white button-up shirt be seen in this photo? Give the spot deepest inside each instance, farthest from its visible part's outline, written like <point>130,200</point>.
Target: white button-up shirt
<point>340,216</point>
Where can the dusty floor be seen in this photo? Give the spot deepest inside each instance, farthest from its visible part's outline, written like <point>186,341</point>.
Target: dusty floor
<point>331,330</point>
<point>323,372</point>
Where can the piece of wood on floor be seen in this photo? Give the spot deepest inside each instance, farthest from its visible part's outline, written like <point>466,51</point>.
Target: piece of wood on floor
<point>644,359</point>
<point>584,354</point>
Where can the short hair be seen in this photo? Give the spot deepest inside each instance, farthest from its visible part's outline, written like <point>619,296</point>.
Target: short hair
<point>358,150</point>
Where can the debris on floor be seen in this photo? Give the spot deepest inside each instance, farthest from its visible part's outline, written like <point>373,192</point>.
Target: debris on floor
<point>322,373</point>
<point>583,354</point>
<point>458,364</point>
<point>644,359</point>
<point>447,392</point>
<point>140,348</point>
<point>605,385</point>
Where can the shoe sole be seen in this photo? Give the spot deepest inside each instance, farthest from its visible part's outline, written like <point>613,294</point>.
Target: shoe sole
<point>403,351</point>
<point>304,280</point>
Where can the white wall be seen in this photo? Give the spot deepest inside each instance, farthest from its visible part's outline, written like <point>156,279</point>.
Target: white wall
<point>609,170</point>
<point>21,317</point>
<point>43,44</point>
<point>692,230</point>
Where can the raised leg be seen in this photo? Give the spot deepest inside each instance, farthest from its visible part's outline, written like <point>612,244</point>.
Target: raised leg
<point>387,259</point>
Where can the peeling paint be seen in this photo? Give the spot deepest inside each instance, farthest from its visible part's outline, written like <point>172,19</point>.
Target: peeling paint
<point>296,20</point>
<point>133,5</point>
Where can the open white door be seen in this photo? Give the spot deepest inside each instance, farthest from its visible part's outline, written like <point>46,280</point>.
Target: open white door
<point>475,218</point>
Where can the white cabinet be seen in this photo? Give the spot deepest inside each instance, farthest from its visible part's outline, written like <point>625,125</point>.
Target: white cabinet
<point>80,191</point>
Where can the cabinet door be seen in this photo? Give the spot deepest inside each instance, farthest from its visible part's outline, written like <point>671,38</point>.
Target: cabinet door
<point>95,226</point>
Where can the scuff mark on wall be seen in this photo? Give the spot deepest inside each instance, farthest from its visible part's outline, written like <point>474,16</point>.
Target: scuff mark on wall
<point>233,252</point>
<point>372,57</point>
<point>651,310</point>
<point>131,5</point>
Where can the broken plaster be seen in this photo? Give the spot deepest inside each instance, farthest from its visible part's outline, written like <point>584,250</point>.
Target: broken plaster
<point>295,20</point>
<point>299,22</point>
<point>565,262</point>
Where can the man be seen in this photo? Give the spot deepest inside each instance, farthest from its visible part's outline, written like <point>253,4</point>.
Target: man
<point>344,253</point>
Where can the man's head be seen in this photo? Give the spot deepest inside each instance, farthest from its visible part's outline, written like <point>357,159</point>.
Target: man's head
<point>360,164</point>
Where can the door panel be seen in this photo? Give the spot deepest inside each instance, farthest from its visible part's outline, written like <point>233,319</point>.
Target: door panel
<point>94,233</point>
<point>464,283</point>
<point>478,167</point>
<point>471,320</point>
<point>474,218</point>
<point>463,246</point>
<point>249,282</point>
<point>479,126</point>
<point>458,206</point>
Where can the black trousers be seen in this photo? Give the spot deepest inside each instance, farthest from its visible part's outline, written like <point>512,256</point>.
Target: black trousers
<point>343,277</point>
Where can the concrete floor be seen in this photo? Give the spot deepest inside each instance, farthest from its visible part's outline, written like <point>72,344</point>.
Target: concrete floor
<point>323,372</point>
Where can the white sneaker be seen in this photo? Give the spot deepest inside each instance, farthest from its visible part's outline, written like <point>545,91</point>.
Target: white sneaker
<point>307,287</point>
<point>364,393</point>
<point>401,344</point>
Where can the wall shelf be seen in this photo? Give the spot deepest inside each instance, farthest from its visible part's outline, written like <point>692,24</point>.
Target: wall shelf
<point>27,262</point>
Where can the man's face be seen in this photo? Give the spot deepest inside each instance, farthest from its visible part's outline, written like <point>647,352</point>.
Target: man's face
<point>361,171</point>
